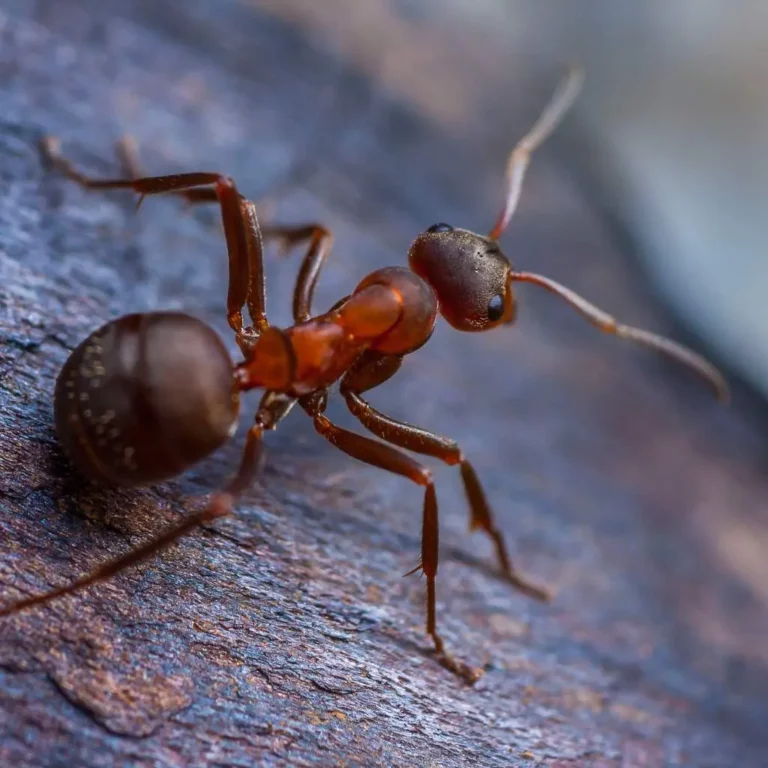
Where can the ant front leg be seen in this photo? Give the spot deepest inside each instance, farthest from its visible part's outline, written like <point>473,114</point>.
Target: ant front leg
<point>390,459</point>
<point>374,369</point>
<point>241,230</point>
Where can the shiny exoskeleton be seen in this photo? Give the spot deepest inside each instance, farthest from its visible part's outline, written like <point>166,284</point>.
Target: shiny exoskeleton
<point>145,397</point>
<point>148,395</point>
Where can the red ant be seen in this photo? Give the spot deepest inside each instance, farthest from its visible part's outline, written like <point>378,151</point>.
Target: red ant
<point>148,395</point>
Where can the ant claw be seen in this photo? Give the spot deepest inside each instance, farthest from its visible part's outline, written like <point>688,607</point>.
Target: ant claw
<point>466,672</point>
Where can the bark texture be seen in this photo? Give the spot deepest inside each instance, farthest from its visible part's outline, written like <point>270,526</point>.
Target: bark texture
<point>286,635</point>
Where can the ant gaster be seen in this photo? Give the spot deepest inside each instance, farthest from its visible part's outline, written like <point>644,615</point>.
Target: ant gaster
<point>148,395</point>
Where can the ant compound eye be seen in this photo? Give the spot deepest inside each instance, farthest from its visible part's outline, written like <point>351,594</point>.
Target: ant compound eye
<point>496,308</point>
<point>435,228</point>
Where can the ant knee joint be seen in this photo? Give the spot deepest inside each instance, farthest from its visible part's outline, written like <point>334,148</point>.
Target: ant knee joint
<point>225,182</point>
<point>425,477</point>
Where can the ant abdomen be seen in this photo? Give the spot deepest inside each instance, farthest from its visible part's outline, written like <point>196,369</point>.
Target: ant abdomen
<point>145,397</point>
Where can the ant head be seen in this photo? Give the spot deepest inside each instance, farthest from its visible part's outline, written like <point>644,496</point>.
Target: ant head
<point>473,279</point>
<point>469,274</point>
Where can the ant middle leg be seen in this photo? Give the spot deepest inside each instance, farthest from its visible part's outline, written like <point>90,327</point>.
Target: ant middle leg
<point>390,459</point>
<point>374,369</point>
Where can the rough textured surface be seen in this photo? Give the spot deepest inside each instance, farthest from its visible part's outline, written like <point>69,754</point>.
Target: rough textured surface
<point>286,635</point>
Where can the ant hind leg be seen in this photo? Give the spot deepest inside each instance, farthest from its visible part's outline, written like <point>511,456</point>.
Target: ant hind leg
<point>220,505</point>
<point>272,409</point>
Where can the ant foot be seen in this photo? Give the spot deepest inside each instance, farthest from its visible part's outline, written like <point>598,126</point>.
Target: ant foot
<point>466,671</point>
<point>529,588</point>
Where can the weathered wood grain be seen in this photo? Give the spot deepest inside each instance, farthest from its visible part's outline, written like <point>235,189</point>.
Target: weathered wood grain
<point>286,635</point>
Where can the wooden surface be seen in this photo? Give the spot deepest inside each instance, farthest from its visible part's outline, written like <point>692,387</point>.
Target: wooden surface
<point>286,635</point>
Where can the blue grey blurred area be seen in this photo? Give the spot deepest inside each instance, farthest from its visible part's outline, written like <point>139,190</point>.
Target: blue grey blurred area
<point>673,128</point>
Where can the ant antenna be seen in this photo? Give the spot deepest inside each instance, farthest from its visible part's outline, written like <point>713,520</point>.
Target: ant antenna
<point>608,324</point>
<point>520,157</point>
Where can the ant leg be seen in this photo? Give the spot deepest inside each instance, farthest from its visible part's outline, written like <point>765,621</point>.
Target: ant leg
<point>374,369</point>
<point>241,230</point>
<point>128,154</point>
<point>320,238</point>
<point>520,157</point>
<point>320,241</point>
<point>274,407</point>
<point>385,457</point>
<point>220,505</point>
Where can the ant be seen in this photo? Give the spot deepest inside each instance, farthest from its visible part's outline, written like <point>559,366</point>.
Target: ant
<point>148,395</point>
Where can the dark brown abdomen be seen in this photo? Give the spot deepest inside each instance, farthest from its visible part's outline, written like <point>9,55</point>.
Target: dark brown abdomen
<point>145,397</point>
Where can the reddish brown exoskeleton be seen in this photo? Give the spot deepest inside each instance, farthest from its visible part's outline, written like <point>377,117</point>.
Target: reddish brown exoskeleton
<point>148,395</point>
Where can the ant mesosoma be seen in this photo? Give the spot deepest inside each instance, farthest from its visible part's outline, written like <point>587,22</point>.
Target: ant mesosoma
<point>148,395</point>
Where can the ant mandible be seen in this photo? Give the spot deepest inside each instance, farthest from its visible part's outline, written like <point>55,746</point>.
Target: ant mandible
<point>148,395</point>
